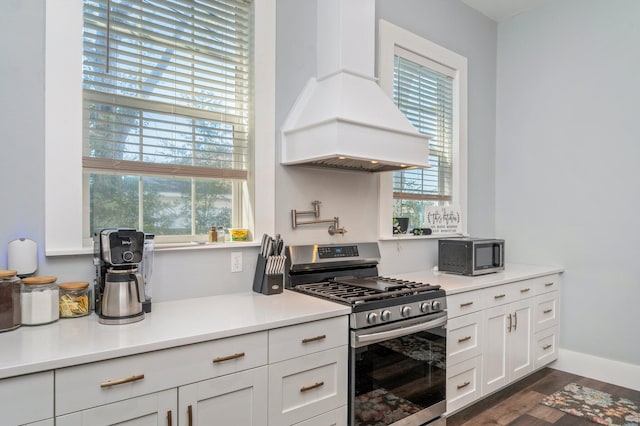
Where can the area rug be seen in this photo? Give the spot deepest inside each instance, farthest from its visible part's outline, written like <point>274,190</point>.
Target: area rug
<point>594,405</point>
<point>381,407</point>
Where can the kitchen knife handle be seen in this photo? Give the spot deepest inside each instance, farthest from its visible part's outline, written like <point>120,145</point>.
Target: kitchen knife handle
<point>314,386</point>
<point>229,358</point>
<point>116,382</point>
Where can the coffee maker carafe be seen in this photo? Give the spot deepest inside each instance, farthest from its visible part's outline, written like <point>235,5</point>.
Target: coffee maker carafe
<point>120,291</point>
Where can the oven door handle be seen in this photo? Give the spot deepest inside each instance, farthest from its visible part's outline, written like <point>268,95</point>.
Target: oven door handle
<point>392,334</point>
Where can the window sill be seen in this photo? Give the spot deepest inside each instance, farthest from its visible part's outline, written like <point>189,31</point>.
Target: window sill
<point>411,237</point>
<point>164,247</point>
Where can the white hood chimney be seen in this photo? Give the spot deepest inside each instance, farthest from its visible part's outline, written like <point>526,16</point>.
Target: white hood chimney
<point>342,118</point>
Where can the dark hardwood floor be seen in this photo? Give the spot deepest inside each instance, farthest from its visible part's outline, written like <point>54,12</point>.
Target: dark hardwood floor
<point>518,404</point>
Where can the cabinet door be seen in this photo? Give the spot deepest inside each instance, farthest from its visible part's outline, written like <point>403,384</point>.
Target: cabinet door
<point>26,399</point>
<point>156,409</point>
<point>238,399</point>
<point>494,365</point>
<point>520,338</point>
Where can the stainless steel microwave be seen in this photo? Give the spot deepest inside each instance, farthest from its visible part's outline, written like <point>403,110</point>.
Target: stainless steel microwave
<point>470,256</point>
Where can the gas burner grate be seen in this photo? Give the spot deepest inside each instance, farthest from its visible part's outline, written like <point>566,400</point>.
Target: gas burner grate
<point>359,290</point>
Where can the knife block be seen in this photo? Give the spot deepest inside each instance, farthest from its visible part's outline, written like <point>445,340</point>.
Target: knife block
<point>266,283</point>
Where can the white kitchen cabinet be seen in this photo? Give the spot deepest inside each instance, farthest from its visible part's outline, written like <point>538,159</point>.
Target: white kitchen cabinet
<point>308,373</point>
<point>156,409</point>
<point>337,417</point>
<point>499,334</point>
<point>27,399</point>
<point>507,349</point>
<point>238,399</point>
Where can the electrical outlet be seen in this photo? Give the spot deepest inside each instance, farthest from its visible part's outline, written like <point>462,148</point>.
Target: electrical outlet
<point>236,261</point>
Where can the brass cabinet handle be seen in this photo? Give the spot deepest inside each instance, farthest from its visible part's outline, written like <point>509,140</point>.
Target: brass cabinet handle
<point>464,339</point>
<point>524,290</point>
<point>499,296</point>
<point>545,347</point>
<point>169,421</point>
<point>228,358</point>
<point>548,284</point>
<point>116,382</point>
<point>314,386</point>
<point>510,323</point>
<point>464,385</point>
<point>190,415</point>
<point>314,339</point>
<point>462,305</point>
<point>546,311</point>
<point>515,321</point>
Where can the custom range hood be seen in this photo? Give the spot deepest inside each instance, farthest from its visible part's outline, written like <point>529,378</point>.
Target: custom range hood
<point>343,119</point>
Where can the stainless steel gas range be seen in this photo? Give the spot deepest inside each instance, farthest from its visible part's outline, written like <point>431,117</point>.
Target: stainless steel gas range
<point>397,330</point>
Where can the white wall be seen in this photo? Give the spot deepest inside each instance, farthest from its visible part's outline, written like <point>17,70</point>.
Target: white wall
<point>567,176</point>
<point>351,196</point>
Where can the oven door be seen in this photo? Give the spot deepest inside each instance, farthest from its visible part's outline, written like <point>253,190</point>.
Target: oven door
<point>398,372</point>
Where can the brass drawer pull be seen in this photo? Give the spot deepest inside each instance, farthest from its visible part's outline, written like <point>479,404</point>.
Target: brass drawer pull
<point>169,419</point>
<point>499,296</point>
<point>525,290</point>
<point>314,339</point>
<point>546,311</point>
<point>545,347</point>
<point>464,385</point>
<point>464,339</point>
<point>228,358</point>
<point>314,386</point>
<point>548,284</point>
<point>462,305</point>
<point>131,379</point>
<point>190,415</point>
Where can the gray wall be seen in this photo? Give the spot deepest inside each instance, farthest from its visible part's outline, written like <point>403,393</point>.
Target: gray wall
<point>567,162</point>
<point>351,196</point>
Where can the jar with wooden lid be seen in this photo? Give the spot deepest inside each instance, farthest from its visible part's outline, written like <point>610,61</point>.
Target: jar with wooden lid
<point>74,299</point>
<point>39,300</point>
<point>10,307</point>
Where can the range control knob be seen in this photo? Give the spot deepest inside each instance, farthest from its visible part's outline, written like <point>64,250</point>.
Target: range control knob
<point>385,315</point>
<point>372,318</point>
<point>436,305</point>
<point>406,311</point>
<point>424,307</point>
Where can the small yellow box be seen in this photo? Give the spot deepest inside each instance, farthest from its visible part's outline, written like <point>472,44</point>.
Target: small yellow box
<point>239,234</point>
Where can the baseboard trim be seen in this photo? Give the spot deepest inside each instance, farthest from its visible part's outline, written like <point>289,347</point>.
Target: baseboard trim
<point>606,370</point>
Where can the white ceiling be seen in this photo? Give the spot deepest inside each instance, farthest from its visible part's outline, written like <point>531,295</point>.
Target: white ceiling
<point>501,10</point>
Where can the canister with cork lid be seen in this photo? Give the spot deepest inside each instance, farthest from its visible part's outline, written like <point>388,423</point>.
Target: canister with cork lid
<point>74,299</point>
<point>39,300</point>
<point>10,307</point>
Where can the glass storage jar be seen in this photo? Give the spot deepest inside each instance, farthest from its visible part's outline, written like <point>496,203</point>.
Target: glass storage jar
<point>39,299</point>
<point>10,312</point>
<point>74,299</point>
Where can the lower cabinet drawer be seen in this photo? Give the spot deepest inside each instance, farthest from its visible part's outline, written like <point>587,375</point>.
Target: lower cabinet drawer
<point>104,382</point>
<point>545,347</point>
<point>336,417</point>
<point>26,399</point>
<point>464,337</point>
<point>546,311</point>
<point>463,384</point>
<point>305,387</point>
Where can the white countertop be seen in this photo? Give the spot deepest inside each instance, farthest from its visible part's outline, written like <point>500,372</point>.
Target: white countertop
<point>453,283</point>
<point>73,341</point>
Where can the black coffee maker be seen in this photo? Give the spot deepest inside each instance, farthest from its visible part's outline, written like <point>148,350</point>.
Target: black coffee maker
<point>118,255</point>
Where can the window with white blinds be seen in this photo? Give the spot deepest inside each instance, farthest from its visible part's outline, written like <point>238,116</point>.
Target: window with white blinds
<point>423,91</point>
<point>167,108</point>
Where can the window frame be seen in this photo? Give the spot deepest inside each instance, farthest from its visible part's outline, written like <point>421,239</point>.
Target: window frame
<point>64,208</point>
<point>391,40</point>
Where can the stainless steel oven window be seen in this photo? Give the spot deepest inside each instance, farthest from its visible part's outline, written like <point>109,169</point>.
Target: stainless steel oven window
<point>398,372</point>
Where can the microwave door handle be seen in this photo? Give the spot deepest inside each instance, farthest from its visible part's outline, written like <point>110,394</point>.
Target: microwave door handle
<point>392,334</point>
<point>497,249</point>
